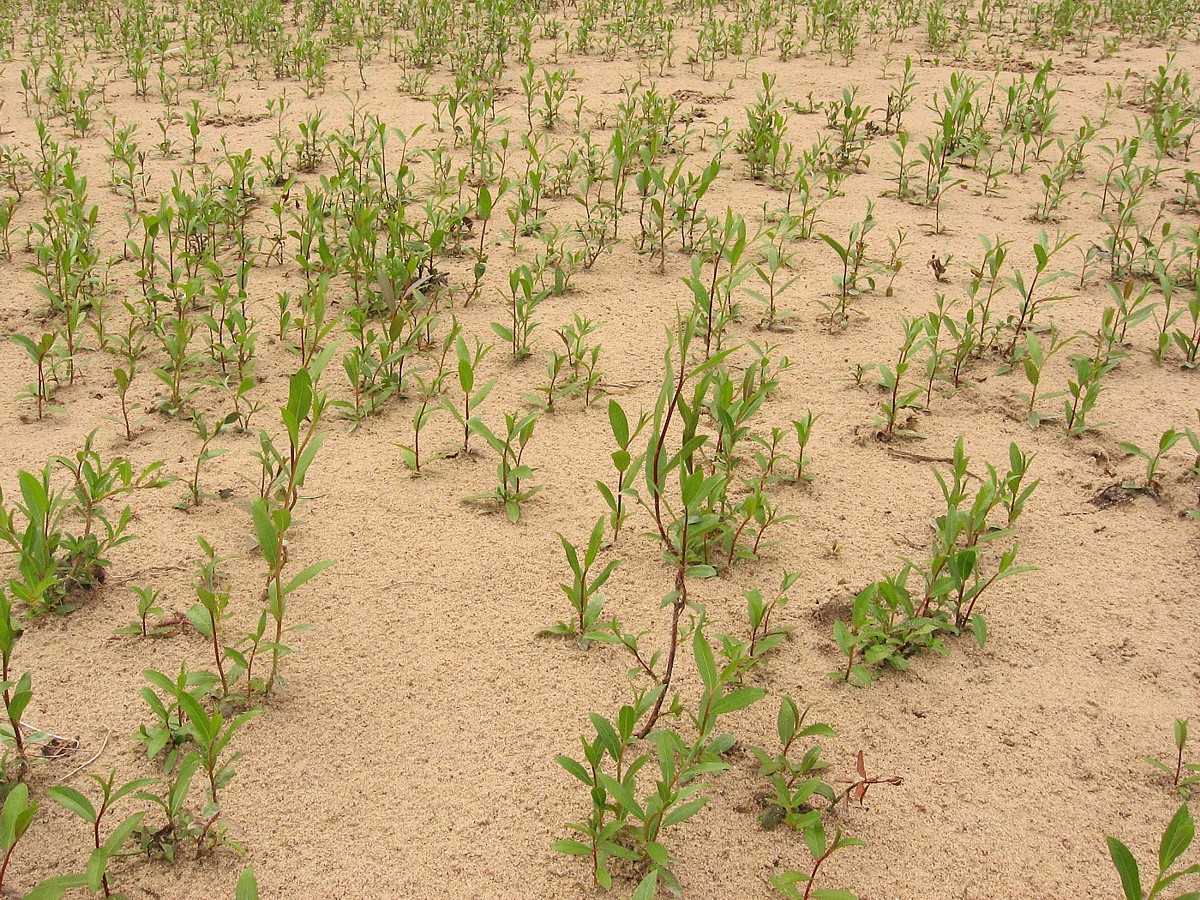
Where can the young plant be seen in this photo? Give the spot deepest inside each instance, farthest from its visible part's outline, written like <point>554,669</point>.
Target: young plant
<point>472,398</point>
<point>795,784</point>
<point>511,470</point>
<point>271,527</point>
<point>212,734</point>
<point>627,826</point>
<point>1184,776</point>
<point>147,605</point>
<point>1176,839</point>
<point>1044,251</point>
<point>803,429</point>
<point>743,655</point>
<point>428,392</point>
<point>893,619</point>
<point>627,466</point>
<point>857,274</point>
<point>524,299</point>
<point>821,848</point>
<point>17,694</point>
<point>891,380</point>
<point>39,353</point>
<point>207,434</point>
<point>208,615</point>
<point>103,850</point>
<point>301,420</point>
<point>583,592</point>
<point>1169,439</point>
<point>1033,363</point>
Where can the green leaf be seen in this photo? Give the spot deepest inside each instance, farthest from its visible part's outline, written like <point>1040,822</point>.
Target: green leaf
<point>575,768</point>
<point>572,848</point>
<point>786,723</point>
<point>739,699</point>
<point>1177,838</point>
<point>619,423</point>
<point>979,628</point>
<point>623,796</point>
<point>247,886</point>
<point>73,800</point>
<point>684,811</point>
<point>54,888</point>
<point>705,663</point>
<point>307,575</point>
<point>647,887</point>
<point>264,529</point>
<point>1127,868</point>
<point>96,865</point>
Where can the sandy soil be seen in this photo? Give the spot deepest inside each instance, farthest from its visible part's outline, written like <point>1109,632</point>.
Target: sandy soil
<point>412,752</point>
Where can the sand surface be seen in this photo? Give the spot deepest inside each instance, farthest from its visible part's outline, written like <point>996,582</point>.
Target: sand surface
<point>412,751</point>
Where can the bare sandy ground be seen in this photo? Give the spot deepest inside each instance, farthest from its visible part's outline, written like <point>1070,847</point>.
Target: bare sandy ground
<point>412,753</point>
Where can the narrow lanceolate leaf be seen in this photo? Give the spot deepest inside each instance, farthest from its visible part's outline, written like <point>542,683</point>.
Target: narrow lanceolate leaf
<point>623,795</point>
<point>54,888</point>
<point>739,699</point>
<point>247,886</point>
<point>705,663</point>
<point>74,801</point>
<point>573,848</point>
<point>575,768</point>
<point>684,811</point>
<point>1177,838</point>
<point>1127,868</point>
<point>264,530</point>
<point>307,574</point>
<point>647,887</point>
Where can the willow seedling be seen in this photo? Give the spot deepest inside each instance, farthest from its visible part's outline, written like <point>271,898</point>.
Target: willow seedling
<point>583,592</point>
<point>103,849</point>
<point>1184,776</point>
<point>1176,839</point>
<point>301,419</point>
<point>147,605</point>
<point>17,694</point>
<point>40,354</point>
<point>207,434</point>
<point>1016,492</point>
<point>212,735</point>
<point>1044,250</point>
<point>524,299</point>
<point>803,430</point>
<point>821,848</point>
<point>1169,439</point>
<point>180,823</point>
<point>511,470</point>
<point>1033,363</point>
<point>764,636</point>
<point>208,615</point>
<point>271,527</point>
<point>472,398</point>
<point>891,380</point>
<point>627,466</point>
<point>428,392</point>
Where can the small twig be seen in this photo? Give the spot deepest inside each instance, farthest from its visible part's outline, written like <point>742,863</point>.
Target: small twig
<point>34,730</point>
<point>134,576</point>
<point>921,457</point>
<point>80,768</point>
